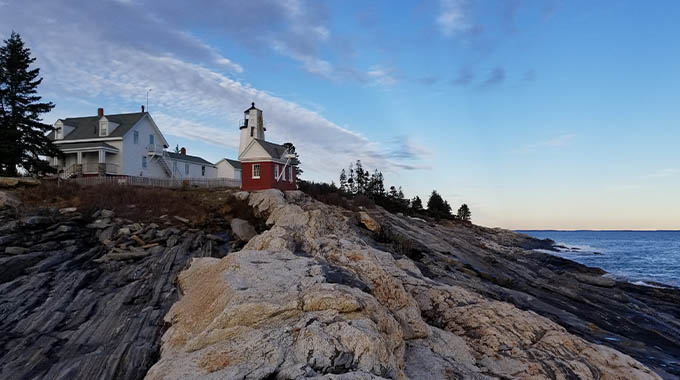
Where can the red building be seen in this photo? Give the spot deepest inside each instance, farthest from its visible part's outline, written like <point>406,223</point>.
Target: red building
<point>264,165</point>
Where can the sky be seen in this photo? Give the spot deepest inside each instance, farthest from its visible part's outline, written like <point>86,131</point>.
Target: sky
<point>542,114</point>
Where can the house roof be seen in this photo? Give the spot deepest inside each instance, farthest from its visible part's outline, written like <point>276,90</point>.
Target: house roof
<point>235,164</point>
<point>186,157</point>
<point>87,127</point>
<point>274,150</point>
<point>86,145</point>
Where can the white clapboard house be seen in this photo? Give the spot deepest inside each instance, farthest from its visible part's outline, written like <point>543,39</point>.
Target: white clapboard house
<point>127,144</point>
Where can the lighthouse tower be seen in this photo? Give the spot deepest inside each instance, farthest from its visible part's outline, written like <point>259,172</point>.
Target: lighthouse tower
<point>252,127</point>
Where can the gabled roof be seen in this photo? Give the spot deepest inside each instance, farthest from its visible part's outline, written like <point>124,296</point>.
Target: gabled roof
<point>186,157</point>
<point>234,164</point>
<point>88,127</point>
<point>274,150</point>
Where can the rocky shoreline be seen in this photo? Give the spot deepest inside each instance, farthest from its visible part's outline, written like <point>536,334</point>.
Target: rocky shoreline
<point>320,292</point>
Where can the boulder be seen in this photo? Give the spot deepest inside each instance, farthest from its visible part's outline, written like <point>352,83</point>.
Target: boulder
<point>36,220</point>
<point>8,200</point>
<point>243,230</point>
<point>241,195</point>
<point>67,210</point>
<point>9,181</point>
<point>368,222</point>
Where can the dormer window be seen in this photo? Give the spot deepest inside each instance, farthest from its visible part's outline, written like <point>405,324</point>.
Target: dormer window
<point>103,128</point>
<point>59,133</point>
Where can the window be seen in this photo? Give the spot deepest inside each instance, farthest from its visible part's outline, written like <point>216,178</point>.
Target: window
<point>150,139</point>
<point>135,137</point>
<point>103,129</point>
<point>203,171</point>
<point>290,173</point>
<point>186,168</point>
<point>59,132</point>
<point>252,131</point>
<point>144,162</point>
<point>256,171</point>
<point>276,172</point>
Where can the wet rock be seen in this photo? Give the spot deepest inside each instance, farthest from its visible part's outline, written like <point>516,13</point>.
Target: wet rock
<point>67,210</point>
<point>183,220</point>
<point>243,230</point>
<point>36,221</point>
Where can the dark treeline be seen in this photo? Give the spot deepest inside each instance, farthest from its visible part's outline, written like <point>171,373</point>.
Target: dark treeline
<point>359,187</point>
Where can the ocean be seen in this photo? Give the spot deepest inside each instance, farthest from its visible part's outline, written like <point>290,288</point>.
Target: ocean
<point>641,257</point>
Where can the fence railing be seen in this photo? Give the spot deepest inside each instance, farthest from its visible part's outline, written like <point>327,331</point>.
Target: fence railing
<point>159,182</point>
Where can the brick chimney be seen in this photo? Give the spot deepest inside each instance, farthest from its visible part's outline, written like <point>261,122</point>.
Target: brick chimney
<point>183,151</point>
<point>142,108</point>
<point>100,112</point>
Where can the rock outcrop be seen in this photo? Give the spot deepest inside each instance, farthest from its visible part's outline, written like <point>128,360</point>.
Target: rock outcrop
<point>83,300</point>
<point>315,296</point>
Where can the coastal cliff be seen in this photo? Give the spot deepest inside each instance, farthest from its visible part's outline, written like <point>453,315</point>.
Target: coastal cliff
<point>319,292</point>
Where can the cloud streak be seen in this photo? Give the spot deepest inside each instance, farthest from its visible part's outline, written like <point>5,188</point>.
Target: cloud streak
<point>555,142</point>
<point>192,98</point>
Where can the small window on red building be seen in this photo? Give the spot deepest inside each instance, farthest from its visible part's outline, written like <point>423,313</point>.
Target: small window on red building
<point>256,171</point>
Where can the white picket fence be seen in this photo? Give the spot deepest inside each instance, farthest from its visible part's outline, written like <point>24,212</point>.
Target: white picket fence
<point>159,182</point>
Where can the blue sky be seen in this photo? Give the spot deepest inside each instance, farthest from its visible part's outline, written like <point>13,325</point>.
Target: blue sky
<point>538,114</point>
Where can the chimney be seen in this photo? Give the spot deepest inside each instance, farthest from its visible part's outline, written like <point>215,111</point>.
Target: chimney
<point>100,112</point>
<point>183,151</point>
<point>142,108</point>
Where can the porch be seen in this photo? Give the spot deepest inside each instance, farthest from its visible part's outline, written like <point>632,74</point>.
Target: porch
<point>87,159</point>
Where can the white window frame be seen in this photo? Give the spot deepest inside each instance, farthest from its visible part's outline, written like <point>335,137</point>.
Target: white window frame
<point>103,129</point>
<point>186,168</point>
<point>256,166</point>
<point>144,162</point>
<point>59,133</point>
<point>290,174</point>
<point>151,140</point>
<point>276,172</point>
<point>135,137</point>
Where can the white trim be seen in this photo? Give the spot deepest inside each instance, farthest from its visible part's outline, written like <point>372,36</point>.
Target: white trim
<point>90,149</point>
<point>259,171</point>
<point>276,172</point>
<point>153,124</point>
<point>87,140</point>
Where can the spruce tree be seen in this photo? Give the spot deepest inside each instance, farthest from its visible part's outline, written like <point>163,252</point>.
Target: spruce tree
<point>416,204</point>
<point>22,134</point>
<point>437,206</point>
<point>464,213</point>
<point>295,161</point>
<point>343,181</point>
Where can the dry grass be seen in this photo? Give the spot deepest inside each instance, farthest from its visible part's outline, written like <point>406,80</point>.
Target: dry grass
<point>141,204</point>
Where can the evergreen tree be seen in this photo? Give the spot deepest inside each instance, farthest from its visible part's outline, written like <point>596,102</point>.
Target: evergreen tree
<point>376,186</point>
<point>295,161</point>
<point>343,181</point>
<point>416,204</point>
<point>437,206</point>
<point>22,134</point>
<point>351,180</point>
<point>464,213</point>
<point>361,178</point>
<point>393,193</point>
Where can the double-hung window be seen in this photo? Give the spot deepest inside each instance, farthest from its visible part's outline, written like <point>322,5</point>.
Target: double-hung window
<point>276,172</point>
<point>150,139</point>
<point>290,173</point>
<point>256,171</point>
<point>144,162</point>
<point>203,171</point>
<point>135,137</point>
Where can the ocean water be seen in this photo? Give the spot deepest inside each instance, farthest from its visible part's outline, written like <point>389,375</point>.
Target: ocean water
<point>640,257</point>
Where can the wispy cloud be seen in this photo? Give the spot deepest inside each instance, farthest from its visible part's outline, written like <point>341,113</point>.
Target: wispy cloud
<point>662,173</point>
<point>192,98</point>
<point>453,17</point>
<point>464,77</point>
<point>555,142</point>
<point>496,77</point>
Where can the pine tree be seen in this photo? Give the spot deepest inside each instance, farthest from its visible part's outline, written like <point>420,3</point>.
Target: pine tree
<point>464,213</point>
<point>351,180</point>
<point>393,193</point>
<point>295,161</point>
<point>437,206</point>
<point>343,181</point>
<point>416,204</point>
<point>22,134</point>
<point>361,178</point>
<point>376,187</point>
